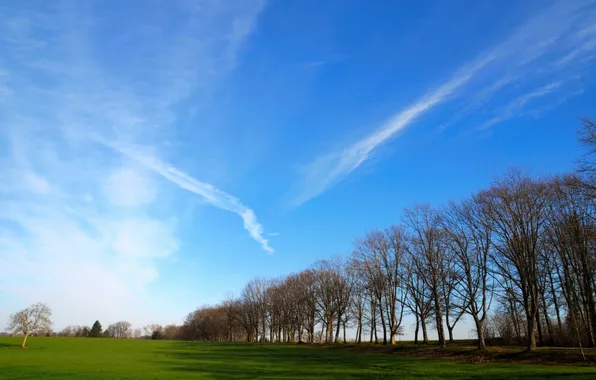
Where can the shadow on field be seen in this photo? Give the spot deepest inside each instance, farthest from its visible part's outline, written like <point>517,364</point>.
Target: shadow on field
<point>250,361</point>
<point>9,345</point>
<point>246,361</point>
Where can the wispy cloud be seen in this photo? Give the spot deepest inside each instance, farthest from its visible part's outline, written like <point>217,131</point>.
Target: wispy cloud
<point>317,63</point>
<point>329,169</point>
<point>551,34</point>
<point>90,217</point>
<point>517,104</point>
<point>208,192</point>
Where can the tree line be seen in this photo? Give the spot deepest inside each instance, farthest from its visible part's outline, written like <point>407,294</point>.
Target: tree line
<point>518,258</point>
<point>121,330</point>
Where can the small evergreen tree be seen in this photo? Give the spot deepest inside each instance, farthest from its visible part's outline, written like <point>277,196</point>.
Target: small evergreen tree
<point>95,330</point>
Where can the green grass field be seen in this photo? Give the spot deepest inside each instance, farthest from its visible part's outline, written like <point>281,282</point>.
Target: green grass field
<point>72,358</point>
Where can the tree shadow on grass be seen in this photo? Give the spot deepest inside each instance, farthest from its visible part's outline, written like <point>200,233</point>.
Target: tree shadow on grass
<point>271,361</point>
<point>9,345</point>
<point>228,361</point>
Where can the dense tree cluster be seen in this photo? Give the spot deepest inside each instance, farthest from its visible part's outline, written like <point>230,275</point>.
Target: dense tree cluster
<point>518,258</point>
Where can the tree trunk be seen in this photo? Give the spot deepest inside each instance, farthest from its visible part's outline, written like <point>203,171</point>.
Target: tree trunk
<point>417,329</point>
<point>539,328</point>
<point>336,340</point>
<point>531,333</point>
<point>376,333</point>
<point>480,332</point>
<point>329,334</point>
<point>24,344</point>
<point>424,332</point>
<point>547,320</point>
<point>439,322</point>
<point>450,331</point>
<point>323,331</point>
<point>383,323</point>
<point>556,304</point>
<point>373,320</point>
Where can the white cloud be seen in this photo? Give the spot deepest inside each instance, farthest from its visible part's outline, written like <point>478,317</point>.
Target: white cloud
<point>143,238</point>
<point>36,183</point>
<point>516,105</point>
<point>80,228</point>
<point>553,33</point>
<point>127,186</point>
<point>210,193</point>
<point>328,170</point>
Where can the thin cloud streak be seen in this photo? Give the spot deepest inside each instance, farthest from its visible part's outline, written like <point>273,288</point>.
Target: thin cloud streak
<point>210,193</point>
<point>337,166</point>
<point>519,103</point>
<point>509,60</point>
<point>93,219</point>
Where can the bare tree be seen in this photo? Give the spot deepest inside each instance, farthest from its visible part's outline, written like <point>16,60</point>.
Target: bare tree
<point>469,236</point>
<point>516,206</point>
<point>359,299</point>
<point>380,256</point>
<point>31,320</point>
<point>254,316</point>
<point>304,291</point>
<point>587,162</point>
<point>120,330</point>
<point>325,296</point>
<point>231,307</point>
<point>172,332</point>
<point>572,235</point>
<point>152,328</point>
<point>343,285</point>
<point>428,253</point>
<point>67,331</point>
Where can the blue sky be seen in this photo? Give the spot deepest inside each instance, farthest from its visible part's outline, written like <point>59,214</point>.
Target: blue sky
<point>157,155</point>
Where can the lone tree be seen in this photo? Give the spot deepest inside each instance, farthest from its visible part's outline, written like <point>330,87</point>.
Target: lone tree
<point>33,319</point>
<point>95,330</point>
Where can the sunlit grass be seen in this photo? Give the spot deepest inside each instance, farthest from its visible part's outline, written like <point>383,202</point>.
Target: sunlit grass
<point>86,358</point>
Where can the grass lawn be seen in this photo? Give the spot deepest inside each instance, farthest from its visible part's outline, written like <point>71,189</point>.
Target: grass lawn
<point>86,358</point>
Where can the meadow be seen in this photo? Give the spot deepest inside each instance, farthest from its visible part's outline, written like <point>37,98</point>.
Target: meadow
<point>88,358</point>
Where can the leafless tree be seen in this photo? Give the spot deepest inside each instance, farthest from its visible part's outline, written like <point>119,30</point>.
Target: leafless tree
<point>587,162</point>
<point>304,295</point>
<point>469,236</point>
<point>359,298</point>
<point>516,206</point>
<point>417,299</point>
<point>121,329</point>
<point>31,320</point>
<point>572,235</point>
<point>254,314</point>
<point>151,328</point>
<point>380,257</point>
<point>232,309</point>
<point>429,256</point>
<point>67,331</point>
<point>325,296</point>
